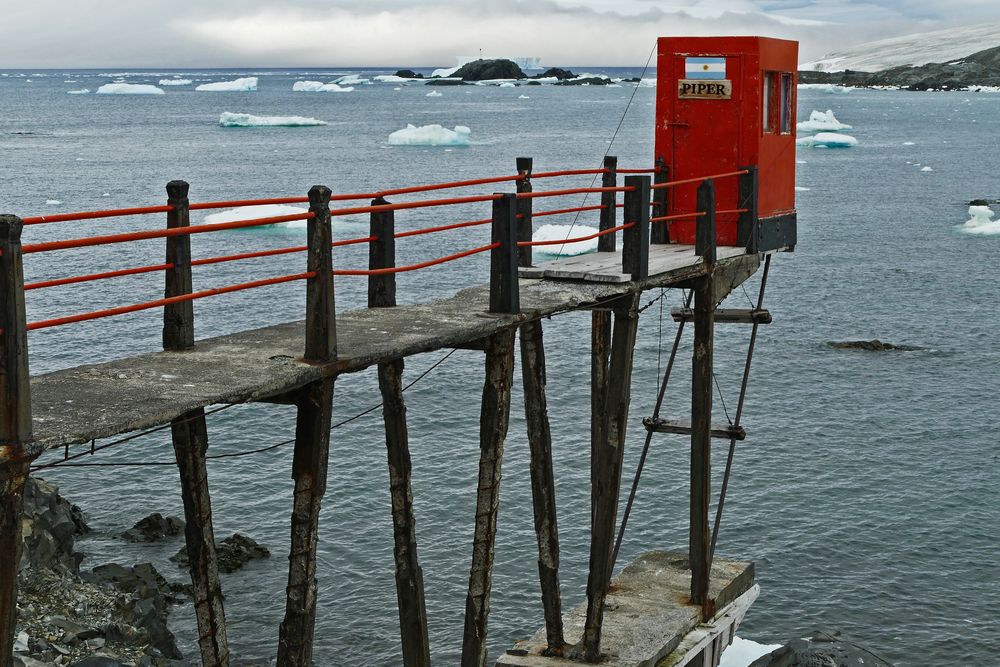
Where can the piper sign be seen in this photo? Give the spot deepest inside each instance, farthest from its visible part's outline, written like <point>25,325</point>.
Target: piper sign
<point>704,79</point>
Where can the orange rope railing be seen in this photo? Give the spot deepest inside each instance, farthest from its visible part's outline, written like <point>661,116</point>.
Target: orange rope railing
<point>414,267</point>
<point>91,215</point>
<point>699,179</point>
<point>612,230</point>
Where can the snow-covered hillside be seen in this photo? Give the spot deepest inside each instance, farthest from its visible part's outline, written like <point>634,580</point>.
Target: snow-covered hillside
<point>917,49</point>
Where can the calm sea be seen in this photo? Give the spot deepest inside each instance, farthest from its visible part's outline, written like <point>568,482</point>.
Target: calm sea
<point>866,491</point>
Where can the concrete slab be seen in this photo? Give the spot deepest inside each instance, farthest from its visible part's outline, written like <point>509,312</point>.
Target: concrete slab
<point>647,615</point>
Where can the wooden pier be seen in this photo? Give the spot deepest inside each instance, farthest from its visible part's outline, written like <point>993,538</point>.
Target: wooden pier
<point>298,363</point>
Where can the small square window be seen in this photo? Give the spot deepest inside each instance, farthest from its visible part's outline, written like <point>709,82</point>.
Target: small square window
<point>767,123</point>
<point>786,103</point>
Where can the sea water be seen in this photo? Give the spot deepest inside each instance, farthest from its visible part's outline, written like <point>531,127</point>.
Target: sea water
<point>865,491</point>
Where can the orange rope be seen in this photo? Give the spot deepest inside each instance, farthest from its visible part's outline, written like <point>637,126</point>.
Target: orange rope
<point>413,267</point>
<point>612,230</point>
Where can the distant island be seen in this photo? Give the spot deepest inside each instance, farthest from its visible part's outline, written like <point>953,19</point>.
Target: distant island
<point>507,70</point>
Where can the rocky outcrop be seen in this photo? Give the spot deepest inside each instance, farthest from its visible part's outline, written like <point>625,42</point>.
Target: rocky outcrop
<point>408,74</point>
<point>154,528</point>
<point>870,346</point>
<point>50,525</point>
<point>555,72</point>
<point>586,81</point>
<point>232,553</point>
<point>978,69</point>
<point>823,649</point>
<point>485,70</point>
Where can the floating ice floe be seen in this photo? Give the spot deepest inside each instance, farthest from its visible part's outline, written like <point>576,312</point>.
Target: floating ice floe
<point>926,169</point>
<point>909,143</point>
<point>562,232</point>
<point>981,222</point>
<point>827,140</point>
<point>392,78</point>
<point>229,119</point>
<point>430,135</point>
<point>508,84</point>
<point>260,211</point>
<point>822,121</point>
<point>82,91</point>
<point>824,87</point>
<point>320,87</point>
<point>129,89</point>
<point>742,652</point>
<point>52,202</point>
<point>801,189</point>
<point>434,93</point>
<point>175,82</point>
<point>523,97</point>
<point>244,85</point>
<point>983,89</point>
<point>351,80</point>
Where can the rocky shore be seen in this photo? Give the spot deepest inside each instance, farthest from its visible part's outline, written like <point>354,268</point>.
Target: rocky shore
<point>507,70</point>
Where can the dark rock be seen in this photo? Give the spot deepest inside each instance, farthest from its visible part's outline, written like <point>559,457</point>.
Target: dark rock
<point>153,528</point>
<point>232,553</point>
<point>979,202</point>
<point>98,661</point>
<point>556,72</point>
<point>870,346</point>
<point>446,82</point>
<point>409,74</point>
<point>532,83</point>
<point>820,649</point>
<point>141,579</point>
<point>50,526</point>
<point>633,79</point>
<point>588,81</point>
<point>483,70</point>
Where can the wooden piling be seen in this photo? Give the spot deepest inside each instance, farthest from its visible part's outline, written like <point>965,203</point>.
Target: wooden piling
<point>609,208</point>
<point>635,239</point>
<point>524,210</point>
<point>543,491</point>
<point>600,354</point>
<point>659,232</point>
<point>702,387</point>
<point>189,434</point>
<point>321,321</point>
<point>606,472</point>
<point>493,420</point>
<point>409,576</point>
<point>16,451</point>
<point>746,224</point>
<point>504,288</point>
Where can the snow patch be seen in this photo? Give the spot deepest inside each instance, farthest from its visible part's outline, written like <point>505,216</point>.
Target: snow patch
<point>827,140</point>
<point>320,87</point>
<point>175,82</point>
<point>430,135</point>
<point>129,89</point>
<point>228,119</point>
<point>244,85</point>
<point>822,121</point>
<point>561,232</point>
<point>742,652</point>
<point>444,72</point>
<point>981,222</point>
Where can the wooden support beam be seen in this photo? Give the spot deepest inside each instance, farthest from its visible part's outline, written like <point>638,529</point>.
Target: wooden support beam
<point>609,201</point>
<point>189,435</point>
<point>746,224</point>
<point>321,318</point>
<point>309,470</point>
<point>492,432</point>
<point>543,489</point>
<point>726,315</point>
<point>606,473</point>
<point>524,211</point>
<point>702,386</point>
<point>683,427</point>
<point>659,232</point>
<point>600,353</point>
<point>504,288</point>
<point>16,451</point>
<point>635,240</point>
<point>382,255</point>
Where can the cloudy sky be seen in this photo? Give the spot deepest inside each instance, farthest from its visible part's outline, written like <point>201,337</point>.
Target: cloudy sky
<point>285,33</point>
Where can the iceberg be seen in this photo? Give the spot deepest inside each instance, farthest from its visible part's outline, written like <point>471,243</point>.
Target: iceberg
<point>259,211</point>
<point>560,232</point>
<point>926,169</point>
<point>351,80</point>
<point>392,78</point>
<point>820,121</point>
<point>827,140</point>
<point>244,85</point>
<point>742,652</point>
<point>430,135</point>
<point>434,93</point>
<point>175,82</point>
<point>228,119</point>
<point>824,87</point>
<point>82,91</point>
<point>981,222</point>
<point>319,87</point>
<point>129,89</point>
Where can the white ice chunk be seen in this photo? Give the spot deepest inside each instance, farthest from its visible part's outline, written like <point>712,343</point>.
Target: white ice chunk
<point>824,87</point>
<point>244,85</point>
<point>430,135</point>
<point>351,80</point>
<point>434,93</point>
<point>392,78</point>
<point>828,140</point>
<point>228,119</point>
<point>445,72</point>
<point>507,84</point>
<point>822,121</point>
<point>801,189</point>
<point>981,222</point>
<point>52,202</point>
<point>129,89</point>
<point>523,97</point>
<point>909,143</point>
<point>175,82</point>
<point>984,89</point>
<point>927,169</point>
<point>742,652</point>
<point>260,211</point>
<point>320,87</point>
<point>562,232</point>
<point>82,91</point>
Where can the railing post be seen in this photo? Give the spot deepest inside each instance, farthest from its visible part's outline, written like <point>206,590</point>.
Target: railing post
<point>16,452</point>
<point>524,209</point>
<point>659,232</point>
<point>609,201</point>
<point>504,292</point>
<point>382,255</point>
<point>746,224</point>
<point>705,235</point>
<point>178,318</point>
<point>635,239</point>
<point>321,320</point>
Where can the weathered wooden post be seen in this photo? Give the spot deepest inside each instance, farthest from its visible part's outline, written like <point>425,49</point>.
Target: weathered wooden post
<point>635,239</point>
<point>701,402</point>
<point>746,224</point>
<point>189,434</point>
<point>312,442</point>
<point>409,575</point>
<point>524,210</point>
<point>504,288</point>
<point>609,201</point>
<point>660,232</point>
<point>16,449</point>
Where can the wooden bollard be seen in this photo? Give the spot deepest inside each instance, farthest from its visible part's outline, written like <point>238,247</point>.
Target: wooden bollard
<point>635,239</point>
<point>16,450</point>
<point>321,321</point>
<point>659,232</point>
<point>504,288</point>
<point>178,318</point>
<point>524,211</point>
<point>746,224</point>
<point>382,255</point>
<point>609,204</point>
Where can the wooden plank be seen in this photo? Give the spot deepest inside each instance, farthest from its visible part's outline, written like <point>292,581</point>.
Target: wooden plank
<point>493,422</point>
<point>683,427</point>
<point>726,315</point>
<point>321,318</point>
<point>309,470</point>
<point>543,487</point>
